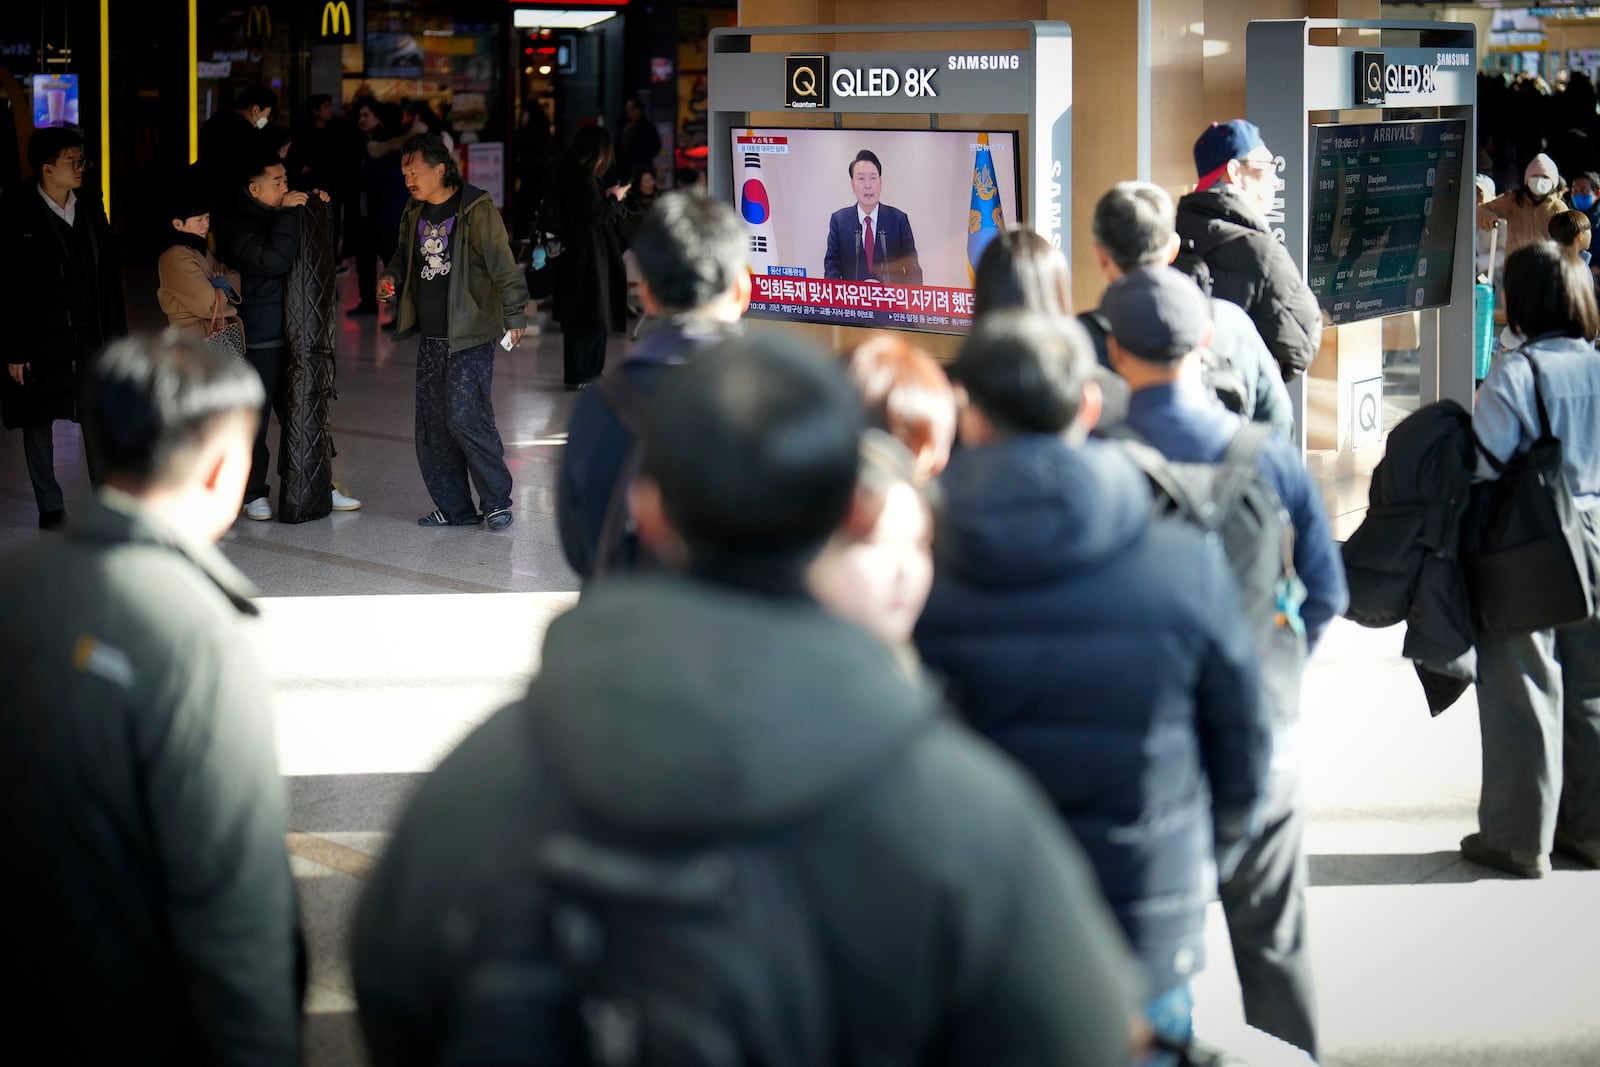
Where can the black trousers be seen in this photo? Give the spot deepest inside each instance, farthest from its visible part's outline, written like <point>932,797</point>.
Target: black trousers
<point>455,430</point>
<point>268,363</point>
<point>39,452</point>
<point>583,355</point>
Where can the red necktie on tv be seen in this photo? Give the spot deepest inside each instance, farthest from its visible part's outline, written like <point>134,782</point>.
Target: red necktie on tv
<point>869,243</point>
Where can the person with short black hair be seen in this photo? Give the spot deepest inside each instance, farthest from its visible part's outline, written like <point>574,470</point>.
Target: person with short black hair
<point>1100,648</point>
<point>694,282</point>
<point>1537,703</point>
<point>233,139</point>
<point>137,770</point>
<point>1135,226</point>
<point>458,288</point>
<point>1021,271</point>
<point>260,237</point>
<point>197,292</point>
<point>720,715</point>
<point>870,240</point>
<point>61,299</point>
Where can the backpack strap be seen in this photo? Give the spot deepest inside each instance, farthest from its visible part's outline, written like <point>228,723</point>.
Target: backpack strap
<point>630,405</point>
<point>1243,459</point>
<point>1155,467</point>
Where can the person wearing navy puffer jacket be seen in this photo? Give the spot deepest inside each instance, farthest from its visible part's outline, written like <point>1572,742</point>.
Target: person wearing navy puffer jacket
<point>1103,649</point>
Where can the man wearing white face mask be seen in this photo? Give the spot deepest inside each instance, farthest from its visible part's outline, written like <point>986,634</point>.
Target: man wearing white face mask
<point>232,140</point>
<point>1226,221</point>
<point>1529,209</point>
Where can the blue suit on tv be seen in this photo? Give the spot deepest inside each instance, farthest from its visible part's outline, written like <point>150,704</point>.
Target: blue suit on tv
<point>894,248</point>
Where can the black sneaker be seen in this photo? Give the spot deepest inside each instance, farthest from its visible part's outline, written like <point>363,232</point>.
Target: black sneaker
<point>52,520</point>
<point>1521,864</point>
<point>498,519</point>
<point>439,518</point>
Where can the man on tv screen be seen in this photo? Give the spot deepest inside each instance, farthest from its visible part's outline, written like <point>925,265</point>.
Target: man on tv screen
<point>870,240</point>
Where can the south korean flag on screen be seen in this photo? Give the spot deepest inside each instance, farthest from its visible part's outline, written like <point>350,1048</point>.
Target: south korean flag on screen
<point>755,207</point>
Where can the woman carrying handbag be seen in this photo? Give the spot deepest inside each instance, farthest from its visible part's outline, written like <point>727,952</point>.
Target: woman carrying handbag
<point>197,293</point>
<point>1539,689</point>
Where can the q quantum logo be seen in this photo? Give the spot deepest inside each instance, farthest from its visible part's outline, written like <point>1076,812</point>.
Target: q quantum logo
<point>1372,76</point>
<point>805,82</point>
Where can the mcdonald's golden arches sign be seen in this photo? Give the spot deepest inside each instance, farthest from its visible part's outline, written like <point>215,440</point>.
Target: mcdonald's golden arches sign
<point>335,22</point>
<point>258,21</point>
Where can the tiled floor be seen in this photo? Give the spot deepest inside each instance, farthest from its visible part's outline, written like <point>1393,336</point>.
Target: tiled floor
<point>387,643</point>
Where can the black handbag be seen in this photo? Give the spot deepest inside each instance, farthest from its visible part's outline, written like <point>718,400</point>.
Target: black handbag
<point>1525,551</point>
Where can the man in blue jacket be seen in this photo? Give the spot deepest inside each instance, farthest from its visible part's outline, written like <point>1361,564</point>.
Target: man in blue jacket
<point>1159,322</point>
<point>1100,647</point>
<point>870,240</point>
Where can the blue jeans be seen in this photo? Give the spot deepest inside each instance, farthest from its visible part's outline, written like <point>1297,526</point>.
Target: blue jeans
<point>456,434</point>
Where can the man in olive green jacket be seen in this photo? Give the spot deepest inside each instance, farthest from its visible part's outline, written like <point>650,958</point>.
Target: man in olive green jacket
<point>460,289</point>
<point>150,910</point>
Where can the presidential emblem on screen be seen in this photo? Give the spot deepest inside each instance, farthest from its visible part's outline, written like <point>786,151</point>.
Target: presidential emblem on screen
<point>1371,72</point>
<point>805,82</point>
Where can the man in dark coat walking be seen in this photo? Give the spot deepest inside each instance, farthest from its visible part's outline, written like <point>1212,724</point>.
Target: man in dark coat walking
<point>691,252</point>
<point>232,140</point>
<point>61,301</point>
<point>1224,222</point>
<point>139,793</point>
<point>1103,650</point>
<point>948,918</point>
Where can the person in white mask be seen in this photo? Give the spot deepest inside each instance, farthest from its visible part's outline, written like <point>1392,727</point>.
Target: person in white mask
<point>1528,209</point>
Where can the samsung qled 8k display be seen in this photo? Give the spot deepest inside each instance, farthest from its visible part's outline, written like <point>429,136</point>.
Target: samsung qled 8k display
<point>871,227</point>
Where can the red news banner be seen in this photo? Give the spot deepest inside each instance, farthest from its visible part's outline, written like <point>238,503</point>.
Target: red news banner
<point>862,303</point>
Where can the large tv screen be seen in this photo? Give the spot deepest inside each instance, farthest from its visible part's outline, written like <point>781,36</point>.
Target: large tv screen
<point>877,228</point>
<point>1384,204</point>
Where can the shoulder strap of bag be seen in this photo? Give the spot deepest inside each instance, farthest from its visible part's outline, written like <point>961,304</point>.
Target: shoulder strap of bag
<point>629,404</point>
<point>1496,463</point>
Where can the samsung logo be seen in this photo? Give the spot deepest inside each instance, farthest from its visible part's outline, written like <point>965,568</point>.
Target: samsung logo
<point>1455,59</point>
<point>985,62</point>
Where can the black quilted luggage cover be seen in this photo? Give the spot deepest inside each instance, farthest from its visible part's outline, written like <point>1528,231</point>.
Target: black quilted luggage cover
<point>305,450</point>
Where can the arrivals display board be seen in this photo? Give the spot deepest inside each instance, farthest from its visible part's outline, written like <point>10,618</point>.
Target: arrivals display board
<point>1383,216</point>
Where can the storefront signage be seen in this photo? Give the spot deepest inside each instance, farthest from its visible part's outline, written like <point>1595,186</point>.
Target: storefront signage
<point>335,24</point>
<point>913,83</point>
<point>216,70</point>
<point>258,21</point>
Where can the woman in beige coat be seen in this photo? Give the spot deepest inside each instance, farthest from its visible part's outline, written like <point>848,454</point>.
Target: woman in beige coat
<point>1529,209</point>
<point>195,290</point>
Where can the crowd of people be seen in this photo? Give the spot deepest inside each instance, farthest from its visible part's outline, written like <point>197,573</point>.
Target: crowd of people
<point>909,714</point>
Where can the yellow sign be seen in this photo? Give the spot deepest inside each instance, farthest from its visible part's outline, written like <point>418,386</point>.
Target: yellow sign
<point>258,21</point>
<point>336,13</point>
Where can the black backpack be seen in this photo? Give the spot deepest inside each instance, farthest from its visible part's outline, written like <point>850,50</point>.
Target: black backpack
<point>616,950</point>
<point>1235,506</point>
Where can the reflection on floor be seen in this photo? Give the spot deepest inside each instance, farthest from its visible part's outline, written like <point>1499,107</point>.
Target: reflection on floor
<point>387,643</point>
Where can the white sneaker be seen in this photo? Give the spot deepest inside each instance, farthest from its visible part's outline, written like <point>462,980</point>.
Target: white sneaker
<point>344,503</point>
<point>258,509</point>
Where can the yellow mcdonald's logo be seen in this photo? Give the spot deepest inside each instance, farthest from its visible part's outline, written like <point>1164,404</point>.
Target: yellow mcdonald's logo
<point>258,21</point>
<point>336,13</point>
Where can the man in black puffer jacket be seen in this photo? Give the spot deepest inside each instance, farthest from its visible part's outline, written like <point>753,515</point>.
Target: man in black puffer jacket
<point>259,236</point>
<point>1103,650</point>
<point>1224,222</point>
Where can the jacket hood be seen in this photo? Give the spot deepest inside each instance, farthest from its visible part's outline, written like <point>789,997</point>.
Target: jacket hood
<point>112,517</point>
<point>674,706</point>
<point>1035,509</point>
<point>470,195</point>
<point>1223,203</point>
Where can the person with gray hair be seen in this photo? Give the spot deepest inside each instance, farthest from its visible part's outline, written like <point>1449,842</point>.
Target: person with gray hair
<point>1134,227</point>
<point>695,283</point>
<point>459,288</point>
<point>137,773</point>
